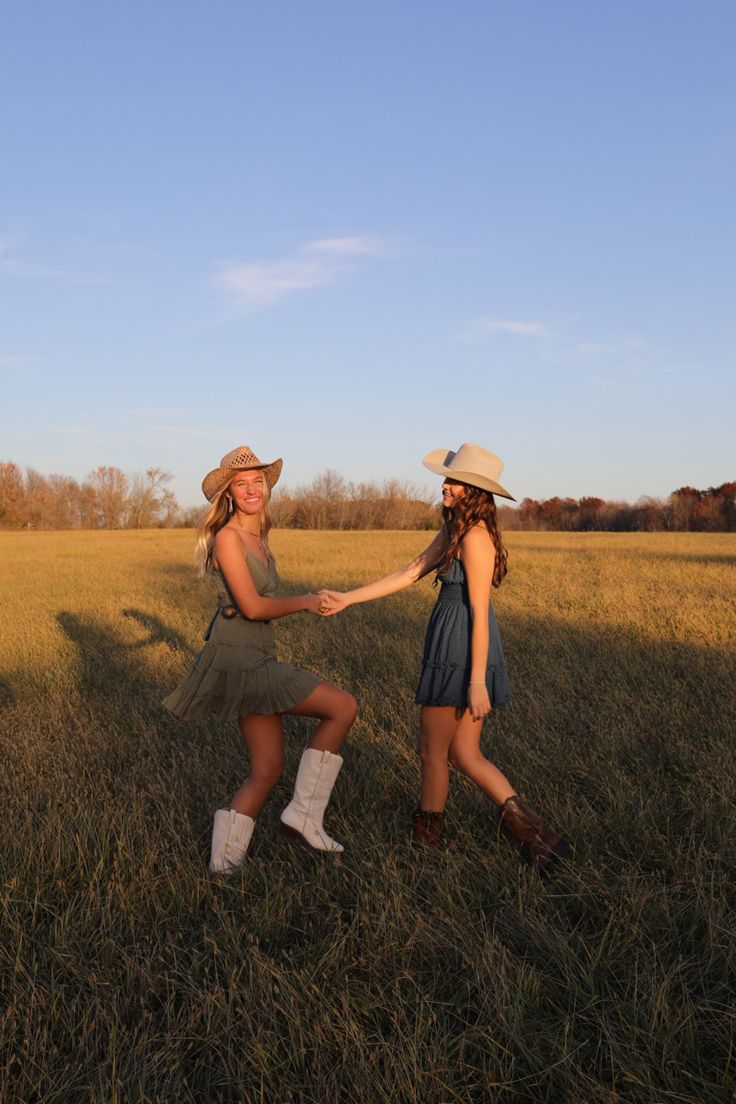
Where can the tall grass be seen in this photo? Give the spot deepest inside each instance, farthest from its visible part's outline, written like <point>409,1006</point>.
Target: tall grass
<point>382,975</point>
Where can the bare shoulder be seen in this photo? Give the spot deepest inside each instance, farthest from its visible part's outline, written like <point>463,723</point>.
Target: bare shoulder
<point>225,544</point>
<point>225,537</point>
<point>478,538</point>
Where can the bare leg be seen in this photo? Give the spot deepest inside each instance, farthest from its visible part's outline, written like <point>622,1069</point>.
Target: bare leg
<point>264,739</point>
<point>437,727</point>
<point>319,765</point>
<point>336,711</point>
<point>465,755</point>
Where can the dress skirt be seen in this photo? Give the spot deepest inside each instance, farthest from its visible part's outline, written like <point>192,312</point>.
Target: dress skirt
<point>446,660</point>
<point>237,672</point>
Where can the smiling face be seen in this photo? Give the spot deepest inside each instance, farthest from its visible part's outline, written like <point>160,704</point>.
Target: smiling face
<point>249,492</point>
<point>452,491</point>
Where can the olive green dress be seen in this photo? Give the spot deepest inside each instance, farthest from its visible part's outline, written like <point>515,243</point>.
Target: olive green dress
<point>237,672</point>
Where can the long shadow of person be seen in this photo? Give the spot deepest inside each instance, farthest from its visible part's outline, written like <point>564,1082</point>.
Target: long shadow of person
<point>131,744</point>
<point>158,632</point>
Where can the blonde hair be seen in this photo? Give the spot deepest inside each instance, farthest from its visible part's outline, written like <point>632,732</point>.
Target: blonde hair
<point>215,517</point>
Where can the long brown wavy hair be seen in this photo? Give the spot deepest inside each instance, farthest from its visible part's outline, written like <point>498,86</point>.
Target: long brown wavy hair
<point>473,507</point>
<point>218,515</point>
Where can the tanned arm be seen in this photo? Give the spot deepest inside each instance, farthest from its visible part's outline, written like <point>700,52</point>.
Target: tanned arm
<point>230,559</point>
<point>478,554</point>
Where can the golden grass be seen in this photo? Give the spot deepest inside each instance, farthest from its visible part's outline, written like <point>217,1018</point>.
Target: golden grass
<point>383,975</point>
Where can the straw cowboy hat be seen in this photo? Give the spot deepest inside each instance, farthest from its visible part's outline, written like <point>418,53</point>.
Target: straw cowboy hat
<point>470,464</point>
<point>241,458</point>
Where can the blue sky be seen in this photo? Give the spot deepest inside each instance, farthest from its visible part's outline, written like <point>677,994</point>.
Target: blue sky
<point>347,234</point>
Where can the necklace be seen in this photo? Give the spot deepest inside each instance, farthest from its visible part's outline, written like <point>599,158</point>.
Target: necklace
<point>256,536</point>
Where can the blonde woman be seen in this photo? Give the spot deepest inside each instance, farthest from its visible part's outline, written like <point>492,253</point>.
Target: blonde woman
<point>463,672</point>
<point>237,675</point>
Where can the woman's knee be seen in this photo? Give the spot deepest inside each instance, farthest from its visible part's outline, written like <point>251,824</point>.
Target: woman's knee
<point>345,708</point>
<point>268,772</point>
<point>464,761</point>
<point>429,752</point>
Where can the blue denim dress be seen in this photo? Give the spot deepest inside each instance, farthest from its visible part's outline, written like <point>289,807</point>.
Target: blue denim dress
<point>446,660</point>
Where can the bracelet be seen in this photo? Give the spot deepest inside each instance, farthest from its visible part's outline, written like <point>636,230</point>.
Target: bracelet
<point>479,682</point>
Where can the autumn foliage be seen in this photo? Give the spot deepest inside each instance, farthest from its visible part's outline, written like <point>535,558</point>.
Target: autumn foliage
<point>111,499</point>
<point>106,499</point>
<point>688,509</point>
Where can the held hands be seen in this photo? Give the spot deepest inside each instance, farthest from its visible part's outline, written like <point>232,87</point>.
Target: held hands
<point>479,704</point>
<point>325,603</point>
<point>332,601</point>
<point>313,603</point>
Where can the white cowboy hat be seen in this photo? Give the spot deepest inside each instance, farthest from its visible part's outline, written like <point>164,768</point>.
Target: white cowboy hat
<point>241,458</point>
<point>470,464</point>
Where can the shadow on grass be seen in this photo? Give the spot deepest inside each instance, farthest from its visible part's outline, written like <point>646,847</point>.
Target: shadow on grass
<point>619,978</point>
<point>602,724</point>
<point>106,663</point>
<point>7,695</point>
<point>608,732</point>
<point>121,685</point>
<point>158,632</point>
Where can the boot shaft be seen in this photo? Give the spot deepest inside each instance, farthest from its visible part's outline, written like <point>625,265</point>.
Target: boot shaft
<point>540,845</point>
<point>428,828</point>
<point>231,836</point>
<point>313,786</point>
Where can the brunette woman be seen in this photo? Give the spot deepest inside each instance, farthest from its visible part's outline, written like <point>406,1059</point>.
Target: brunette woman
<point>237,675</point>
<point>463,672</point>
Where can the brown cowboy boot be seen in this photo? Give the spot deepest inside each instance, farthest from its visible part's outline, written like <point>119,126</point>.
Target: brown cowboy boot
<point>427,829</point>
<point>540,846</point>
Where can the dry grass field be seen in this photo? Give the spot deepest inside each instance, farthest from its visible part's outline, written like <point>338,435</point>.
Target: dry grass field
<point>383,976</point>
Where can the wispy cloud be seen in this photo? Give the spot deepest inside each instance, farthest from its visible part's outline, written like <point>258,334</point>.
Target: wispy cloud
<point>349,247</point>
<point>162,413</point>
<point>480,328</point>
<point>618,348</point>
<point>608,365</point>
<point>320,262</point>
<point>262,284</point>
<point>15,361</point>
<point>14,262</point>
<point>153,432</point>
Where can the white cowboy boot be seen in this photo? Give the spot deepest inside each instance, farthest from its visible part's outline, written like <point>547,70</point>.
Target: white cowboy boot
<point>312,788</point>
<point>231,834</point>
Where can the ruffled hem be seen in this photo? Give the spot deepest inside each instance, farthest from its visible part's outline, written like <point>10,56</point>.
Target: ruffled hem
<point>221,685</point>
<point>447,684</point>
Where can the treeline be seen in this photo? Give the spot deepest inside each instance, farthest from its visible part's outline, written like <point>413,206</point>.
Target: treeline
<point>106,499</point>
<point>111,499</point>
<point>330,502</point>
<point>709,511</point>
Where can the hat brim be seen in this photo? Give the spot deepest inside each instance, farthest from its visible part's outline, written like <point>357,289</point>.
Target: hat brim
<point>436,462</point>
<point>216,480</point>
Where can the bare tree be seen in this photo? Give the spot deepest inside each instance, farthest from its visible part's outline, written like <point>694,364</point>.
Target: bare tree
<point>12,496</point>
<point>149,498</point>
<point>110,492</point>
<point>64,495</point>
<point>38,501</point>
<point>110,499</point>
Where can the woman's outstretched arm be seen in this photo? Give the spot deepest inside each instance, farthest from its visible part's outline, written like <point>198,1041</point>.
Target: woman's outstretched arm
<point>230,558</point>
<point>333,601</point>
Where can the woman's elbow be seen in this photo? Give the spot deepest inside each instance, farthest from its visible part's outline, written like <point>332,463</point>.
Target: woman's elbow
<point>252,611</point>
